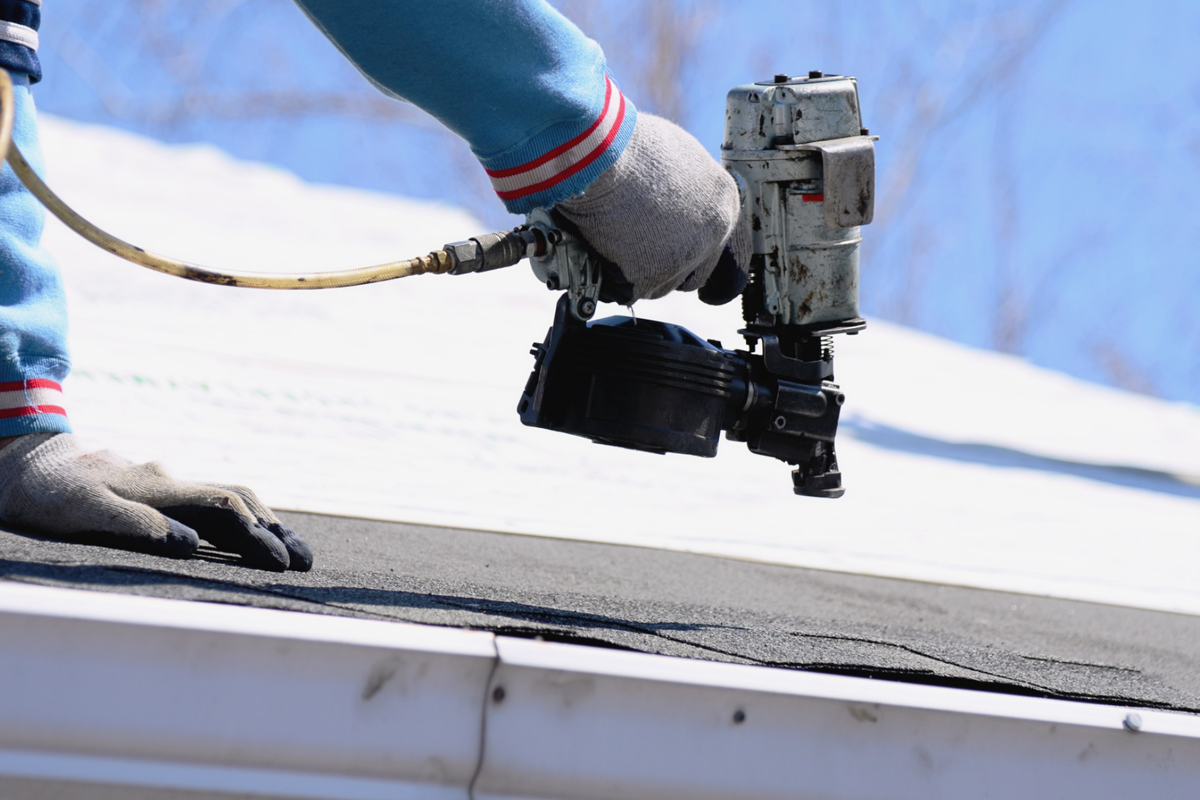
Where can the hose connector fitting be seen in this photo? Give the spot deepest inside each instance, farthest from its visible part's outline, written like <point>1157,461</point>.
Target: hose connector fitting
<point>436,263</point>
<point>495,250</point>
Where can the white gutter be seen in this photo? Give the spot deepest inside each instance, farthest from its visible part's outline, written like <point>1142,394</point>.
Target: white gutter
<point>103,693</point>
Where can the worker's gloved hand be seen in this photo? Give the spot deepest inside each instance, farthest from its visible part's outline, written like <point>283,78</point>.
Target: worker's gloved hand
<point>49,486</point>
<point>666,215</point>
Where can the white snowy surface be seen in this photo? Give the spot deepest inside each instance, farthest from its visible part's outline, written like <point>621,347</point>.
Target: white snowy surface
<point>397,401</point>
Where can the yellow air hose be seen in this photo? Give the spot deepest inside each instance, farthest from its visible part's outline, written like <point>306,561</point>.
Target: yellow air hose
<point>437,262</point>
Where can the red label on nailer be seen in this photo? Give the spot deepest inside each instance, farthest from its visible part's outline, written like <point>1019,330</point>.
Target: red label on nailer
<point>813,198</point>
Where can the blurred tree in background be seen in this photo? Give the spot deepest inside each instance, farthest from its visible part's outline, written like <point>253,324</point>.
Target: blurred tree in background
<point>1037,168</point>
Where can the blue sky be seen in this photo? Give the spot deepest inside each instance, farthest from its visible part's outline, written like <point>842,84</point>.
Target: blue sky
<point>1039,166</point>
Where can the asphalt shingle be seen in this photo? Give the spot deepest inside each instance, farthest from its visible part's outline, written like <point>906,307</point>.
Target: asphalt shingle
<point>677,604</point>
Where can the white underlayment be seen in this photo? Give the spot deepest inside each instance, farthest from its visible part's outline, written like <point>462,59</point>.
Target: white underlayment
<point>397,401</point>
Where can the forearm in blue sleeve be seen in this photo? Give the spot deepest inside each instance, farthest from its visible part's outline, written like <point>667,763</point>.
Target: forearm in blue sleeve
<point>33,312</point>
<point>527,90</point>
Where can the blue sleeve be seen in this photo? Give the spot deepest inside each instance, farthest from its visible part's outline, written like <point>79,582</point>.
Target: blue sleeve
<point>527,90</point>
<point>33,308</point>
<point>19,22</point>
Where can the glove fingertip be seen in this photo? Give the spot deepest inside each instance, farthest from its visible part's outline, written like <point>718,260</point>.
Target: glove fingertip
<point>299,552</point>
<point>271,555</point>
<point>727,281</point>
<point>180,541</point>
<point>232,532</point>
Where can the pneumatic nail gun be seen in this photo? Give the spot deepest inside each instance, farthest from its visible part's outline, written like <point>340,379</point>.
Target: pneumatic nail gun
<point>805,168</point>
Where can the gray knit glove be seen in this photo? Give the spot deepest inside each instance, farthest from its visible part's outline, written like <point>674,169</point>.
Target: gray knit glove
<point>666,214</point>
<point>49,486</point>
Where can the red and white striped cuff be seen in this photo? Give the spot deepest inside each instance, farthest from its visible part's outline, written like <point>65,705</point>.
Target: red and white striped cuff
<point>568,159</point>
<point>30,397</point>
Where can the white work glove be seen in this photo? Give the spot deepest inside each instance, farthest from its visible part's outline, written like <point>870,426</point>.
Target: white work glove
<point>49,486</point>
<point>666,215</point>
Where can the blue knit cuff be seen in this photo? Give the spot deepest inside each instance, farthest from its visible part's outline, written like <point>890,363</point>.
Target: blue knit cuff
<point>19,23</point>
<point>563,160</point>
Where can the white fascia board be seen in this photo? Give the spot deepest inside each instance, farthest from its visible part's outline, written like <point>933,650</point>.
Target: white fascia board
<point>82,776</point>
<point>107,676</point>
<point>100,691</point>
<point>689,729</point>
<point>572,659</point>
